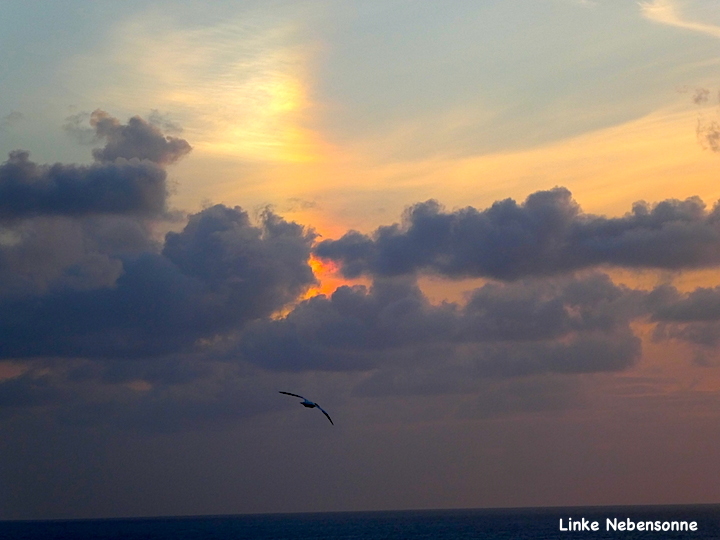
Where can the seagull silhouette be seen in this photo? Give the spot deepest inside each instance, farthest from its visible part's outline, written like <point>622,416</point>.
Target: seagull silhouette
<point>310,404</point>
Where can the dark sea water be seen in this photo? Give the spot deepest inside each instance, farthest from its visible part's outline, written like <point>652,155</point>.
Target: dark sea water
<point>518,524</point>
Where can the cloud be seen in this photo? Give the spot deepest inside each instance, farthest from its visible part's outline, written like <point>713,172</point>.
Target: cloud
<point>668,12</point>
<point>702,304</point>
<point>708,133</point>
<point>505,330</point>
<point>10,120</point>
<point>216,275</point>
<point>131,357</point>
<point>163,121</point>
<point>692,317</point>
<point>701,96</point>
<point>707,130</point>
<point>61,251</point>
<point>546,235</point>
<point>121,187</point>
<point>127,178</point>
<point>182,393</point>
<point>114,324</point>
<point>136,139</point>
<point>76,126</point>
<point>239,84</point>
<point>139,138</point>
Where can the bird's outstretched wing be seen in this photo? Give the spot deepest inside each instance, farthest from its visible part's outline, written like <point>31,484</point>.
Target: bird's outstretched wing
<point>295,395</point>
<point>325,413</point>
<point>309,403</point>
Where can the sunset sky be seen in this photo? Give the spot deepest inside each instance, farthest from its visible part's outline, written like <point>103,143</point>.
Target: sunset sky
<point>483,235</point>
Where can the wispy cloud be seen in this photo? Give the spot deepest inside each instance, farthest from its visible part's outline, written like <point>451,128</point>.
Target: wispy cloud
<point>669,12</point>
<point>10,120</point>
<point>238,87</point>
<point>708,129</point>
<point>587,3</point>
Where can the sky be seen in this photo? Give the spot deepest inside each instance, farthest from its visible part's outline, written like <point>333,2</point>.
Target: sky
<point>484,236</point>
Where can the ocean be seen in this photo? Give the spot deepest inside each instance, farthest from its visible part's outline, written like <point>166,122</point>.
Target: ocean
<point>517,524</point>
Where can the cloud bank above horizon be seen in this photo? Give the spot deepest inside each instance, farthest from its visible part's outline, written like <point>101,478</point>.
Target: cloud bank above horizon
<point>96,309</point>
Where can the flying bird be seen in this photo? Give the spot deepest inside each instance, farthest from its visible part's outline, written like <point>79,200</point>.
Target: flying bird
<point>310,404</point>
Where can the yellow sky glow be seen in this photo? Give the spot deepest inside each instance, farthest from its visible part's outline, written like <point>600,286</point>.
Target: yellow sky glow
<point>238,89</point>
<point>241,91</point>
<point>653,158</point>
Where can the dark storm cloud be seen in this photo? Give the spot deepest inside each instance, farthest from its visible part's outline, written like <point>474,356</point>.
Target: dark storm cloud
<point>219,273</point>
<point>518,329</point>
<point>136,139</point>
<point>548,234</point>
<point>123,187</point>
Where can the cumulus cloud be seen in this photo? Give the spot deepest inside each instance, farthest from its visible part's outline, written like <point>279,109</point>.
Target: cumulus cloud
<point>62,251</point>
<point>548,234</point>
<point>136,139</point>
<point>219,273</point>
<point>511,330</point>
<point>693,317</point>
<point>127,178</point>
<point>108,319</point>
<point>150,359</point>
<point>113,323</point>
<point>122,187</point>
<point>702,304</point>
<point>82,274</point>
